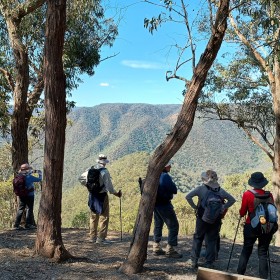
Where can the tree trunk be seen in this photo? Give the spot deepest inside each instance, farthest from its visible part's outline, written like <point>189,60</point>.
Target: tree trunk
<point>172,144</point>
<point>275,89</point>
<point>49,239</point>
<point>19,124</point>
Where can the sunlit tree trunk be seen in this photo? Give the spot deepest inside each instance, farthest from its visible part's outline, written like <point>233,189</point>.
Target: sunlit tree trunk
<point>276,166</point>
<point>173,142</point>
<point>49,239</point>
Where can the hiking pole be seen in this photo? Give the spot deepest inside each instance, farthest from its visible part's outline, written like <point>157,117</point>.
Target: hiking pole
<point>121,216</point>
<point>233,242</point>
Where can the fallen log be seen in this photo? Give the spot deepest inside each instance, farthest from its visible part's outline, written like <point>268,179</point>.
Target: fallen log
<point>212,274</point>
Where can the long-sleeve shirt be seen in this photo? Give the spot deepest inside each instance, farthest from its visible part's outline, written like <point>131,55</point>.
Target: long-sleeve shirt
<point>201,193</point>
<point>166,189</point>
<point>247,205</point>
<point>105,179</point>
<point>29,182</point>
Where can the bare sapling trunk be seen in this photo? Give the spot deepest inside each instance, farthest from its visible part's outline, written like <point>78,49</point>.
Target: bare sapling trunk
<point>138,251</point>
<point>49,239</point>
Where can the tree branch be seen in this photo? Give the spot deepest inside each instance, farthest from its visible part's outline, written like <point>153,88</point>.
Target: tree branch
<point>8,78</point>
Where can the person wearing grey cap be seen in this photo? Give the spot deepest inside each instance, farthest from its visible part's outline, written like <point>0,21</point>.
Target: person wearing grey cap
<point>164,214</point>
<point>205,228</point>
<point>99,202</point>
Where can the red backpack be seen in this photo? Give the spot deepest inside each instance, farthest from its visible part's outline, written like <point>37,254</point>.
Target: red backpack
<point>19,185</point>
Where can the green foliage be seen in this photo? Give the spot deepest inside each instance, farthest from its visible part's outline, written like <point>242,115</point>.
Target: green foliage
<point>7,200</point>
<point>80,220</point>
<point>88,30</point>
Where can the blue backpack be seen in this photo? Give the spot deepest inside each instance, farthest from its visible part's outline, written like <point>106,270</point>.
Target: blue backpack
<point>264,216</point>
<point>213,206</point>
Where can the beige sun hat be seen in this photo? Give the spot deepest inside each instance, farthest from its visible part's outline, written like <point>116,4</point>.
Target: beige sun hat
<point>210,178</point>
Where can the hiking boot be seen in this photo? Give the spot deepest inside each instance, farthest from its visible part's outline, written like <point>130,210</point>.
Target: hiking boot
<point>92,239</point>
<point>208,265</point>
<point>18,228</point>
<point>30,227</point>
<point>102,241</point>
<point>192,264</point>
<point>172,253</point>
<point>157,250</point>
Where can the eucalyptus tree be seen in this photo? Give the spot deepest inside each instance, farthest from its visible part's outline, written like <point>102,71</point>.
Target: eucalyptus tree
<point>22,25</point>
<point>49,240</point>
<point>249,79</point>
<point>192,87</point>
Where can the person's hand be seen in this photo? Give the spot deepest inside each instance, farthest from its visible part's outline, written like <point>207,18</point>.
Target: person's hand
<point>119,194</point>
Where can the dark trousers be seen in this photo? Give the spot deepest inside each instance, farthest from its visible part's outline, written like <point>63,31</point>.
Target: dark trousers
<point>24,202</point>
<point>211,233</point>
<point>166,214</point>
<point>250,238</point>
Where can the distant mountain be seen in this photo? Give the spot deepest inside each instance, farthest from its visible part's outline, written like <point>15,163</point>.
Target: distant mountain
<point>122,129</point>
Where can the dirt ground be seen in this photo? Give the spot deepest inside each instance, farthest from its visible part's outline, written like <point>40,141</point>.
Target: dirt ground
<point>95,261</point>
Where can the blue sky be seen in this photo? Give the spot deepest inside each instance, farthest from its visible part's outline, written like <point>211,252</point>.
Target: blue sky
<point>137,73</point>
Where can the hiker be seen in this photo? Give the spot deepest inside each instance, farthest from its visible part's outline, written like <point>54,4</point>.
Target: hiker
<point>207,224</point>
<point>164,213</point>
<point>257,181</point>
<point>27,201</point>
<point>99,202</point>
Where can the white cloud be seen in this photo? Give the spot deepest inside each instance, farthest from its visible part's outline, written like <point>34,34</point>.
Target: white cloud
<point>141,64</point>
<point>104,84</point>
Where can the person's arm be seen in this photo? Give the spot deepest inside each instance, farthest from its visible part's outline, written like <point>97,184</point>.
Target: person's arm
<point>244,204</point>
<point>191,195</point>
<point>34,179</point>
<point>108,183</point>
<point>230,200</point>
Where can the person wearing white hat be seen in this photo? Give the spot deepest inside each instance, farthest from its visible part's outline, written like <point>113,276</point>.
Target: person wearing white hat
<point>99,203</point>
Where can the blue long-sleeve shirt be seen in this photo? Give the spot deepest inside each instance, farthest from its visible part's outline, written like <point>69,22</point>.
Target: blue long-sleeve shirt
<point>166,189</point>
<point>29,182</point>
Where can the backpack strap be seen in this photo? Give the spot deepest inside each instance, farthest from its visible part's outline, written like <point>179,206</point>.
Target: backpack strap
<point>259,198</point>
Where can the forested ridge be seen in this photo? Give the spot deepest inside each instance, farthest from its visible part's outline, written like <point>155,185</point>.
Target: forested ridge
<point>122,129</point>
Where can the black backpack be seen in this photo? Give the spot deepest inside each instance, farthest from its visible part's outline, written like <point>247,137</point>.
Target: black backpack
<point>20,186</point>
<point>212,205</point>
<point>93,180</point>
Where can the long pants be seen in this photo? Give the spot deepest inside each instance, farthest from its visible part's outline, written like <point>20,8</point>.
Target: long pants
<point>250,238</point>
<point>166,214</point>
<point>211,233</point>
<point>100,219</point>
<point>24,202</point>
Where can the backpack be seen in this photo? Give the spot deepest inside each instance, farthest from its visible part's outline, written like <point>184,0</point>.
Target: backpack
<point>93,182</point>
<point>213,206</point>
<point>19,185</point>
<point>264,216</point>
